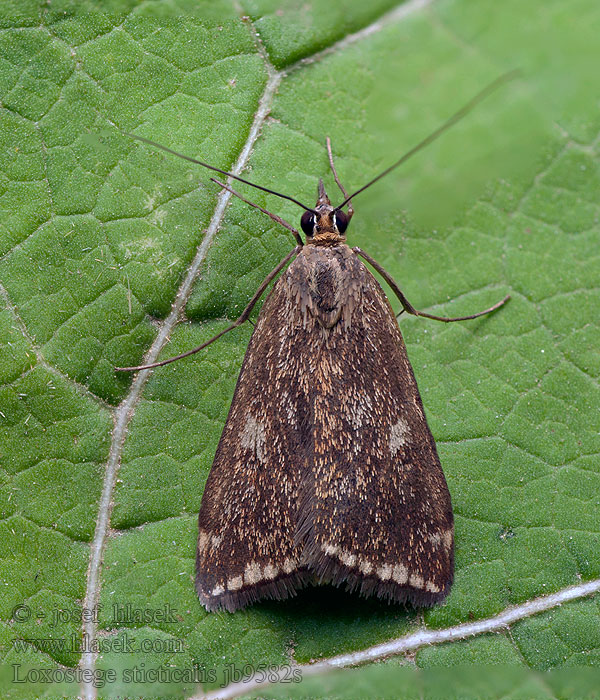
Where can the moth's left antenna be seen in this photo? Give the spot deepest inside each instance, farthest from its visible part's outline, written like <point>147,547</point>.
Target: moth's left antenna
<point>143,139</point>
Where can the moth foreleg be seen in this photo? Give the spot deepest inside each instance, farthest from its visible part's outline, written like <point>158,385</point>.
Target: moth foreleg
<point>409,308</point>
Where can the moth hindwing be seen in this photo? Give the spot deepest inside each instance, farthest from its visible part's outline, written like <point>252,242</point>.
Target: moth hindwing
<point>326,469</point>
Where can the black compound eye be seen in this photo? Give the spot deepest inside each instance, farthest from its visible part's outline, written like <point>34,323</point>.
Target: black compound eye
<point>341,220</point>
<point>307,222</point>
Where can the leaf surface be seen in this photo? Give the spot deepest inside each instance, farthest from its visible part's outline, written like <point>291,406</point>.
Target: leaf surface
<point>98,233</point>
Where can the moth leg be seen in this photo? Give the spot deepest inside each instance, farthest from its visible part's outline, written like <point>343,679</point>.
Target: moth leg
<point>409,308</point>
<point>276,218</point>
<point>337,179</point>
<point>238,322</point>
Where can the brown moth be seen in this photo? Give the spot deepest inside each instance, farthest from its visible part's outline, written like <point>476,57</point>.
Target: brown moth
<point>326,470</point>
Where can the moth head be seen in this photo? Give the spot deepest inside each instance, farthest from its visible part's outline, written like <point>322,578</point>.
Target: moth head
<point>324,225</point>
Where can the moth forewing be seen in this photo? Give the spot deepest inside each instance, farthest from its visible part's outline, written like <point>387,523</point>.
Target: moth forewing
<point>246,547</point>
<point>382,520</point>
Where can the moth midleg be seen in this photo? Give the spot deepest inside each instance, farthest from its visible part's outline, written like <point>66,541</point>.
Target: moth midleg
<point>409,308</point>
<point>350,213</point>
<point>238,322</point>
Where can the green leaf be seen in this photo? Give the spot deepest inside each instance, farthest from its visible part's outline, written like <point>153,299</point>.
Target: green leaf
<point>99,234</point>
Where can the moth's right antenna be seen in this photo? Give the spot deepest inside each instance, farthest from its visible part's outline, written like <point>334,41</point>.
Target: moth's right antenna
<point>494,85</point>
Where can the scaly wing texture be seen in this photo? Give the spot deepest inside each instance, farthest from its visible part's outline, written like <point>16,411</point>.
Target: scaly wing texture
<point>381,518</point>
<point>249,510</point>
<point>375,511</point>
<point>326,465</point>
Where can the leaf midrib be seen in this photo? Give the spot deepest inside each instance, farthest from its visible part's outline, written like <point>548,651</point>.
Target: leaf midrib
<point>125,411</point>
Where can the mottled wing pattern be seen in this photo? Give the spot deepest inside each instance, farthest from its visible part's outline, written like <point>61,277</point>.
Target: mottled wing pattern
<point>246,549</point>
<point>326,466</point>
<point>380,519</point>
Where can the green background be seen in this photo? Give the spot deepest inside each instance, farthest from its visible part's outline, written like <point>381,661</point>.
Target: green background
<point>98,231</point>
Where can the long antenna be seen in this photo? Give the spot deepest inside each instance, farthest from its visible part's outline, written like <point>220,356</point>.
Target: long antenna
<point>143,139</point>
<point>462,112</point>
